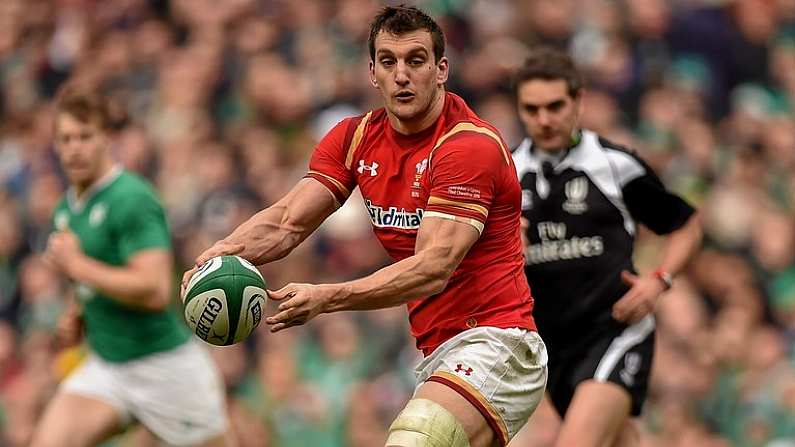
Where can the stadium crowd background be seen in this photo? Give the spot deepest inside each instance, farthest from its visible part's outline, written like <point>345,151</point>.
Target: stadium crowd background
<point>224,101</point>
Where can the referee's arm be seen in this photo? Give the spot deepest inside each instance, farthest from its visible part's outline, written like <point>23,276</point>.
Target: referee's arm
<point>665,213</point>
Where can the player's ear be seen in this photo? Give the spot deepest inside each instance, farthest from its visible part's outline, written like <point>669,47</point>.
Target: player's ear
<point>443,70</point>
<point>373,81</point>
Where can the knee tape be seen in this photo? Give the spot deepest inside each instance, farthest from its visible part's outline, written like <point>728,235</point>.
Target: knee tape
<point>424,423</point>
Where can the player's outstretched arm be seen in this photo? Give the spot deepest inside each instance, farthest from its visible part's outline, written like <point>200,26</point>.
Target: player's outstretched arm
<point>441,245</point>
<point>144,282</point>
<point>274,232</point>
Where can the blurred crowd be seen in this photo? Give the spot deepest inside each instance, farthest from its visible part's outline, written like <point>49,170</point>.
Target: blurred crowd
<point>220,102</point>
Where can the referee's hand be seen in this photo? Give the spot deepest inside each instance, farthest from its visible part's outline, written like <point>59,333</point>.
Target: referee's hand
<point>639,300</point>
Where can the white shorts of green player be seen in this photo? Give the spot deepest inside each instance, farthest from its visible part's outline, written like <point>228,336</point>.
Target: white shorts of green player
<point>178,395</point>
<point>501,372</point>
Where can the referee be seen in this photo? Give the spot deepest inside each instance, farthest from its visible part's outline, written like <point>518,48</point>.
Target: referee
<point>582,200</point>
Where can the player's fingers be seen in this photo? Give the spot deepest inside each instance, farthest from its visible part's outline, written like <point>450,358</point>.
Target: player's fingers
<point>620,309</point>
<point>282,326</point>
<point>293,301</point>
<point>185,280</point>
<point>282,317</point>
<point>628,278</point>
<point>221,248</point>
<point>287,291</point>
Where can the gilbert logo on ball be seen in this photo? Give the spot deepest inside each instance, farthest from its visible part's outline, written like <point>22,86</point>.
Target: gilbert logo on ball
<point>224,300</point>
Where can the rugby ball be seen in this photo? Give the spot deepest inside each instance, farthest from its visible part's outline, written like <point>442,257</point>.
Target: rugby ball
<point>224,300</point>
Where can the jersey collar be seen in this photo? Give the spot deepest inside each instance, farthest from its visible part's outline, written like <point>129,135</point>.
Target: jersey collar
<point>559,163</point>
<point>76,204</point>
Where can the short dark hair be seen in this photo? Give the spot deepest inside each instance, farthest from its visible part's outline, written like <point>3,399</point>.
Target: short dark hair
<point>402,19</point>
<point>84,104</point>
<point>549,64</point>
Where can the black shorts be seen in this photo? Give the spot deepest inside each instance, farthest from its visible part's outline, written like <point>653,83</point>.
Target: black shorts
<point>621,356</point>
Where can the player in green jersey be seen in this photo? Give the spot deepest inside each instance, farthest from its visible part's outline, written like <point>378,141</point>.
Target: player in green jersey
<point>112,241</point>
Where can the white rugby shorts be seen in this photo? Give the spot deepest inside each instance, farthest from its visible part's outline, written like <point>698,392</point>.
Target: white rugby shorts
<point>177,394</point>
<point>502,372</point>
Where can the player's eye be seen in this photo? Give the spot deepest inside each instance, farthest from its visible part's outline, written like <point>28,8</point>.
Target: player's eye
<point>387,62</point>
<point>531,109</point>
<point>556,106</point>
<point>416,61</point>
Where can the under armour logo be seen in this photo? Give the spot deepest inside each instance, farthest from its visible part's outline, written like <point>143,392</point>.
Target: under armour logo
<point>372,168</point>
<point>460,368</point>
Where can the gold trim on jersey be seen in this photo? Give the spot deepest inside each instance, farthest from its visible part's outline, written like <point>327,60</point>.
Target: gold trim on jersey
<point>467,220</point>
<point>466,126</point>
<point>433,200</point>
<point>336,182</point>
<point>357,138</point>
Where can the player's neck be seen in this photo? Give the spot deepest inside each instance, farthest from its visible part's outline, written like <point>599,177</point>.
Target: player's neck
<point>422,122</point>
<point>106,170</point>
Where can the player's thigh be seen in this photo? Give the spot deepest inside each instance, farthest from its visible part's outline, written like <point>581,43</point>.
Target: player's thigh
<point>596,415</point>
<point>542,428</point>
<point>475,425</point>
<point>500,373</point>
<point>629,436</point>
<point>73,420</point>
<point>178,395</point>
<point>224,440</point>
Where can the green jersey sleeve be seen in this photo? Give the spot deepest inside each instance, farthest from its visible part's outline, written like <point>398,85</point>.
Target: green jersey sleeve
<point>142,226</point>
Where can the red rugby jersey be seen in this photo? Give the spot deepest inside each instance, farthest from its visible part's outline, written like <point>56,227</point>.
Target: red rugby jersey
<point>459,168</point>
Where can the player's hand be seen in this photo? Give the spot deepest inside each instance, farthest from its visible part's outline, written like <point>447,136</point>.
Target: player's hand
<point>220,248</point>
<point>69,328</point>
<point>639,300</point>
<point>300,303</point>
<point>63,251</point>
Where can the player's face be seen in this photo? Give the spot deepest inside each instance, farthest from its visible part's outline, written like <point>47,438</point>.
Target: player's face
<point>549,113</point>
<point>82,149</point>
<point>406,73</point>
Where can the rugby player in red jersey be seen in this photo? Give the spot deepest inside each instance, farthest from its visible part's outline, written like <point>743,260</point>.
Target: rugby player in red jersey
<point>444,200</point>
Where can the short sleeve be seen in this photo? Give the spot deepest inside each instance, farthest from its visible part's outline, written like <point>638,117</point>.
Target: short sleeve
<point>328,161</point>
<point>141,225</point>
<point>649,202</point>
<point>464,179</point>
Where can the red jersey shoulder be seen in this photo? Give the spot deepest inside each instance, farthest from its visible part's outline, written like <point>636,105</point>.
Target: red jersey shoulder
<point>333,156</point>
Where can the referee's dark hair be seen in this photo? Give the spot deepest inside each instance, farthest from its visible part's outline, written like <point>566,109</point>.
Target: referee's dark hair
<point>549,64</point>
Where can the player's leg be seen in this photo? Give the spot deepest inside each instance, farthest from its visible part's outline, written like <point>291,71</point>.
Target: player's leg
<point>179,396</point>
<point>143,437</point>
<point>629,435</point>
<point>85,410</point>
<point>479,389</point>
<point>76,421</point>
<point>610,381</point>
<point>595,416</point>
<point>439,416</point>
<point>542,428</point>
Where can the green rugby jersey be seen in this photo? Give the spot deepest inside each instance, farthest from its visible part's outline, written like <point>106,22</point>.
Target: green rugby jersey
<point>115,218</point>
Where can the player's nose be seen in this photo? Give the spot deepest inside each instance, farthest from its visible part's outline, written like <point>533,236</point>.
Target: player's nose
<point>543,117</point>
<point>402,74</point>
